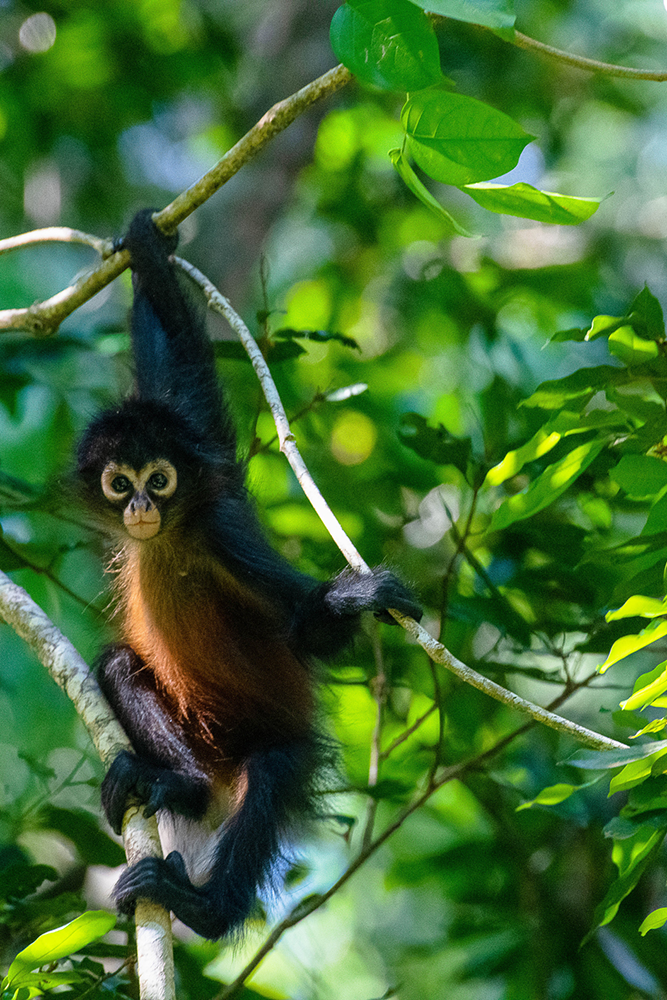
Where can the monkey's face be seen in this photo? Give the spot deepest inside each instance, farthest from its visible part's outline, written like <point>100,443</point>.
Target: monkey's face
<point>139,494</point>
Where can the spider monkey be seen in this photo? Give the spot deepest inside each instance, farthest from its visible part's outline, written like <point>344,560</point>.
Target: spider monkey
<point>213,680</point>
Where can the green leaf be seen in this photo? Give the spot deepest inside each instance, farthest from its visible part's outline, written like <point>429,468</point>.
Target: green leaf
<point>552,795</point>
<point>60,943</point>
<point>630,348</point>
<point>631,643</point>
<point>540,444</point>
<point>388,44</point>
<point>639,606</point>
<point>93,845</point>
<point>652,727</point>
<point>554,480</point>
<point>458,140</point>
<point>656,919</point>
<point>435,444</point>
<point>9,560</point>
<point>319,336</point>
<point>631,856</point>
<point>583,382</point>
<point>413,184</point>
<point>491,13</point>
<point>528,203</point>
<point>575,333</point>
<point>547,437</point>
<point>640,476</point>
<point>19,880</point>
<point>646,316</point>
<point>638,771</point>
<point>602,326</point>
<point>599,760</point>
<point>647,692</point>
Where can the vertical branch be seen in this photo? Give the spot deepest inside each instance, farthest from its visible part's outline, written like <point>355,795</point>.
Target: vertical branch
<point>379,689</point>
<point>155,960</point>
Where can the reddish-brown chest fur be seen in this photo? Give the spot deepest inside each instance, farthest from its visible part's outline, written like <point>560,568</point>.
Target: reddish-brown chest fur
<point>218,653</point>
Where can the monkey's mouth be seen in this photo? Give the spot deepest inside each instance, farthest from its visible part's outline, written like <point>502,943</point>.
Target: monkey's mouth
<point>142,524</point>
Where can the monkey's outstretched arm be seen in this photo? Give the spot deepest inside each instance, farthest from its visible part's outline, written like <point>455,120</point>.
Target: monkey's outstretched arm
<point>174,358</point>
<point>323,616</point>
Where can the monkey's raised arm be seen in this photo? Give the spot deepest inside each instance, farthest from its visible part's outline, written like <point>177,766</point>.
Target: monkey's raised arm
<point>173,356</point>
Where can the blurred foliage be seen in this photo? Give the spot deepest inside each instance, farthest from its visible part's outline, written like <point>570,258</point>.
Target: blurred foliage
<point>487,415</point>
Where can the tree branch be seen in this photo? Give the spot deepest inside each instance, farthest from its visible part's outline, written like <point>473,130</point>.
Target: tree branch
<point>140,835</point>
<point>588,65</point>
<point>44,318</point>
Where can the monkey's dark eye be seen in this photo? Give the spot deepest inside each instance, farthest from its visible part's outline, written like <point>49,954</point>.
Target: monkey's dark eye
<point>120,484</point>
<point>157,481</point>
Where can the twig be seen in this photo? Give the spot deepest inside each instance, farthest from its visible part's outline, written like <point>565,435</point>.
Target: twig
<point>435,649</point>
<point>379,689</point>
<point>569,58</point>
<point>45,571</point>
<point>57,234</point>
<point>589,65</point>
<point>407,733</point>
<point>43,318</point>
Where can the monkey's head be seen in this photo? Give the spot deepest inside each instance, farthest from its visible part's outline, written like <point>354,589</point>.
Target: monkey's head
<point>138,493</point>
<point>142,470</point>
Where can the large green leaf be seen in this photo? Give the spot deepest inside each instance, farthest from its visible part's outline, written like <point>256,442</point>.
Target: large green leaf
<point>491,13</point>
<point>60,943</point>
<point>646,693</point>
<point>599,760</point>
<point>528,203</point>
<point>630,348</point>
<point>646,316</point>
<point>458,140</point>
<point>631,856</point>
<point>554,480</point>
<point>583,382</point>
<point>640,476</point>
<point>386,43</point>
<point>631,643</point>
<point>547,437</point>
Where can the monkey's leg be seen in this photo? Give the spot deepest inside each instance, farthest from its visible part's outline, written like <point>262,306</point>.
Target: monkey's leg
<point>163,773</point>
<point>279,790</point>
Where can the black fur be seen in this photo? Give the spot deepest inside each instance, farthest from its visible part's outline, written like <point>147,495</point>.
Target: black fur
<point>274,759</point>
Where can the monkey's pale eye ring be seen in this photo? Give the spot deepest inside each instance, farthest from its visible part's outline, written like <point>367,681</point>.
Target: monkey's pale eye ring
<point>160,478</point>
<point>117,481</point>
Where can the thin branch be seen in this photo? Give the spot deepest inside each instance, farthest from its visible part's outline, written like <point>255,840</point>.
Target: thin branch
<point>43,318</point>
<point>379,688</point>
<point>569,58</point>
<point>57,234</point>
<point>140,835</point>
<point>435,649</point>
<point>588,65</point>
<point>274,121</point>
<point>407,733</point>
<point>50,575</point>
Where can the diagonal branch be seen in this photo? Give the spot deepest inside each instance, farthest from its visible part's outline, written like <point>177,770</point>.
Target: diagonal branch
<point>44,318</point>
<point>436,651</point>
